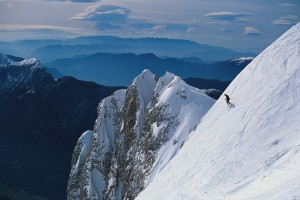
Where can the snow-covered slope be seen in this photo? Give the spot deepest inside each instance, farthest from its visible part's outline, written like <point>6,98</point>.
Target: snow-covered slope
<point>137,132</point>
<point>251,149</point>
<point>15,76</point>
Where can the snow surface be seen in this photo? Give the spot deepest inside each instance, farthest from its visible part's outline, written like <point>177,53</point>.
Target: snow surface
<point>31,61</point>
<point>187,105</point>
<point>6,61</point>
<point>84,139</point>
<point>145,84</point>
<point>242,59</point>
<point>250,149</point>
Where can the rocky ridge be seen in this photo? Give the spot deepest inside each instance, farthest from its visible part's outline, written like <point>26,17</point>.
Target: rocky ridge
<point>137,132</point>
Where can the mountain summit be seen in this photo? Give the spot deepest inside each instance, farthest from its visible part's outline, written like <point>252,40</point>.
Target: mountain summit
<point>137,132</point>
<point>251,149</point>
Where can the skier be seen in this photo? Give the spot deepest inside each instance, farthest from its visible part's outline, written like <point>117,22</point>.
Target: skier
<point>227,99</point>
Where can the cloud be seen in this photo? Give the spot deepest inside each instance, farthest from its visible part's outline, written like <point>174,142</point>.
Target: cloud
<point>287,20</point>
<point>106,26</point>
<point>225,30</point>
<point>251,31</point>
<point>9,5</point>
<point>191,30</point>
<point>41,31</point>
<point>111,17</point>
<point>78,1</point>
<point>85,1</point>
<point>153,27</point>
<point>287,4</point>
<point>228,16</point>
<point>158,28</point>
<point>106,16</point>
<point>105,13</point>
<point>16,27</point>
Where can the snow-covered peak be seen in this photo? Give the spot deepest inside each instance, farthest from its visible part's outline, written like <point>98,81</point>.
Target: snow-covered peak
<point>35,63</point>
<point>250,148</point>
<point>163,81</point>
<point>145,84</point>
<point>242,60</point>
<point>145,77</point>
<point>187,105</point>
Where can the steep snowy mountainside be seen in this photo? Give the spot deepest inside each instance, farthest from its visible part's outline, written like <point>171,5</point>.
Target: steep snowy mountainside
<point>251,148</point>
<point>137,132</point>
<point>188,104</point>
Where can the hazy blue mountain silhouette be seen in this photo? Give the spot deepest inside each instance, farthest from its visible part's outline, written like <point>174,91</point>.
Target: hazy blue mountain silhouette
<point>49,50</point>
<point>120,69</point>
<point>202,83</point>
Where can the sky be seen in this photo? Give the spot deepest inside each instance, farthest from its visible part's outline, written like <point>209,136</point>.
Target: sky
<point>241,25</point>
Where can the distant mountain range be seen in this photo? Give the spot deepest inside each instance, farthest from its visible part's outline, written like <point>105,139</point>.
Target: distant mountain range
<point>120,69</point>
<point>49,50</point>
<point>207,83</point>
<point>41,119</point>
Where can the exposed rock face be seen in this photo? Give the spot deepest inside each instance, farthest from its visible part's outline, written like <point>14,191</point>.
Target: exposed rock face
<point>137,132</point>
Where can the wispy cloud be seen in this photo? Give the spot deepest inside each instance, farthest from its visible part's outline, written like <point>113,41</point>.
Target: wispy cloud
<point>8,5</point>
<point>79,1</point>
<point>251,31</point>
<point>105,16</point>
<point>191,30</point>
<point>83,1</point>
<point>158,28</point>
<point>103,12</point>
<point>228,16</point>
<point>111,17</point>
<point>287,4</point>
<point>20,27</point>
<point>225,30</point>
<point>11,27</point>
<point>286,20</point>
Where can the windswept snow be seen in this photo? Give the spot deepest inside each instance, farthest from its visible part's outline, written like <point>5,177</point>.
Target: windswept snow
<point>242,59</point>
<point>31,61</point>
<point>145,83</point>
<point>188,104</point>
<point>250,149</point>
<point>6,61</point>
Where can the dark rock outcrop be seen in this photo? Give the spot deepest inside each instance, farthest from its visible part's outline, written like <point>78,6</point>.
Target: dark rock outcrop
<point>41,119</point>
